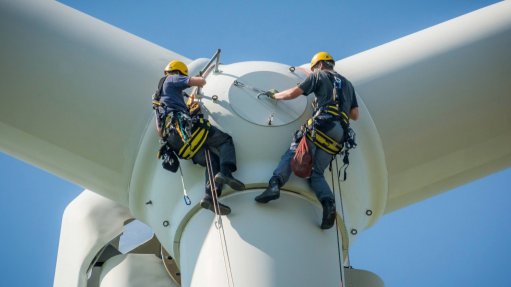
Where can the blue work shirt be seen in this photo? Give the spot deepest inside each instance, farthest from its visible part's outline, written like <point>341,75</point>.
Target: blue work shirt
<point>172,92</point>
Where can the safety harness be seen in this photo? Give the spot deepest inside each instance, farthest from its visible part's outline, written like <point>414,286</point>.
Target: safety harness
<point>334,111</point>
<point>322,140</point>
<point>192,128</point>
<point>193,144</point>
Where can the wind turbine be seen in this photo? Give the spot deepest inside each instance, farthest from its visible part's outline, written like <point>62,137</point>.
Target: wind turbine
<point>90,149</point>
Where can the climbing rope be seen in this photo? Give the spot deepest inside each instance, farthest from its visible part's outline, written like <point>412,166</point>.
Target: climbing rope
<point>218,222</point>
<point>339,184</point>
<point>341,265</point>
<point>341,201</point>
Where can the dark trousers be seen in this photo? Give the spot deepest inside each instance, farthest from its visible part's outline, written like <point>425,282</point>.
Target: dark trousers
<point>321,160</point>
<point>221,149</point>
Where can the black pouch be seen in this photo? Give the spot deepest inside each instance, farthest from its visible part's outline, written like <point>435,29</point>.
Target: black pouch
<point>169,158</point>
<point>324,122</point>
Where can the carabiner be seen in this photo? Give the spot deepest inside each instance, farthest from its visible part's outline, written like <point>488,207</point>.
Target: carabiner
<point>187,200</point>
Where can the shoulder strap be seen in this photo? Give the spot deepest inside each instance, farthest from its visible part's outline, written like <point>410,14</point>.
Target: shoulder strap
<point>337,82</point>
<point>157,94</point>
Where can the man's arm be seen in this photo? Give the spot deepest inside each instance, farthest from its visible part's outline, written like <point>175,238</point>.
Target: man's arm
<point>354,113</point>
<point>289,94</point>
<point>196,82</point>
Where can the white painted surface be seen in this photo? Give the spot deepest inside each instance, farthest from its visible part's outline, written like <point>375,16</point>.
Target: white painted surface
<point>134,270</point>
<point>438,98</point>
<point>362,278</point>
<point>274,244</point>
<point>259,110</point>
<point>89,222</point>
<point>258,149</point>
<point>74,93</point>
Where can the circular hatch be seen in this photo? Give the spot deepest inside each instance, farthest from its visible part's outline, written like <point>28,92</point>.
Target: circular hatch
<point>246,100</point>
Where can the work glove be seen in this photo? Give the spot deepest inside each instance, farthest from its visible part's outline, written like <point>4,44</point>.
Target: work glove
<point>270,93</point>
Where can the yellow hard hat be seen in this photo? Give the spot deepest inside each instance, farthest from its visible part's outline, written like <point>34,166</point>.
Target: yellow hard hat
<point>321,56</point>
<point>176,65</point>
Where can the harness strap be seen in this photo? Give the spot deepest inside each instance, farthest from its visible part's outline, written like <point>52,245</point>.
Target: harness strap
<point>196,140</point>
<point>334,111</point>
<point>157,94</point>
<point>324,142</point>
<point>186,198</point>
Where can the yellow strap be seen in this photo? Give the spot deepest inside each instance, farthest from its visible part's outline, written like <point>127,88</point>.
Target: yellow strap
<point>195,142</point>
<point>167,121</point>
<point>179,131</point>
<point>325,142</point>
<point>345,117</point>
<point>333,110</point>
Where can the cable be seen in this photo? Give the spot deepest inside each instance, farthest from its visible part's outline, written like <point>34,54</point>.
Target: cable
<point>218,223</point>
<point>341,265</point>
<point>342,207</point>
<point>185,194</point>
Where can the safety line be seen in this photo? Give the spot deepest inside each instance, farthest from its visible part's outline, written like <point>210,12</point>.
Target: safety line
<point>289,112</point>
<point>341,265</point>
<point>342,206</point>
<point>185,194</point>
<point>218,223</point>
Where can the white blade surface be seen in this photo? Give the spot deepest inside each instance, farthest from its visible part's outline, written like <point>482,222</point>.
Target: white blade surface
<point>440,99</point>
<point>75,93</point>
<point>74,98</point>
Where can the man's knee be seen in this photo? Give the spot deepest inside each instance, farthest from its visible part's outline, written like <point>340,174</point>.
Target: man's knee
<point>220,136</point>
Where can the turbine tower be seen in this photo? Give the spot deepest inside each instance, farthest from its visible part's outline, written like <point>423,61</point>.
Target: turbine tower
<point>81,120</point>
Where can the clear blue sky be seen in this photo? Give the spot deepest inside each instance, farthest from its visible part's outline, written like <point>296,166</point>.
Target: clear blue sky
<point>459,238</point>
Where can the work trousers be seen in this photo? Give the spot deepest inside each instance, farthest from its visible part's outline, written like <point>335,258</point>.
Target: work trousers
<point>321,160</point>
<point>221,149</point>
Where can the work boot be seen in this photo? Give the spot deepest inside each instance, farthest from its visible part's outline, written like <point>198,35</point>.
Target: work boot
<point>329,213</point>
<point>207,203</point>
<point>225,177</point>
<point>272,192</point>
<point>218,189</point>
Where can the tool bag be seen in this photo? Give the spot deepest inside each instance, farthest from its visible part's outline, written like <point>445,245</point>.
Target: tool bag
<point>301,163</point>
<point>169,159</point>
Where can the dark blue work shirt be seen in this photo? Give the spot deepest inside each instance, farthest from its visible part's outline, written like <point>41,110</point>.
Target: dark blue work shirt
<point>172,92</point>
<point>320,83</point>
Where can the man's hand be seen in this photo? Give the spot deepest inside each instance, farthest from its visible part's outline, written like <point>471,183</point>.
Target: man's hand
<point>270,93</point>
<point>196,82</point>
